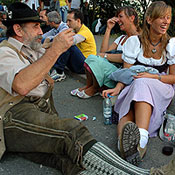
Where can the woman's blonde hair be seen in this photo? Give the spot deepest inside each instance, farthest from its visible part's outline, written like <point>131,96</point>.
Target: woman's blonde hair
<point>154,11</point>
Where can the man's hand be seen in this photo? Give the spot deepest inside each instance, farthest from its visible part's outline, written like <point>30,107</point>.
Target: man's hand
<point>47,43</point>
<point>63,41</point>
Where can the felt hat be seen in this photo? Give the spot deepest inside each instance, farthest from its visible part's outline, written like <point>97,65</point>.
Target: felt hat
<point>19,13</point>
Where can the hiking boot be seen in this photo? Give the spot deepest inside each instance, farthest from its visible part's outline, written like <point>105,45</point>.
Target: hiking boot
<point>129,144</point>
<point>168,169</point>
<point>57,77</point>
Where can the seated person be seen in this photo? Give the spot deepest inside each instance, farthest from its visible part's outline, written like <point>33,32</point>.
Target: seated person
<point>43,16</point>
<point>72,58</point>
<point>141,104</point>
<point>84,39</point>
<point>57,26</point>
<point>98,68</point>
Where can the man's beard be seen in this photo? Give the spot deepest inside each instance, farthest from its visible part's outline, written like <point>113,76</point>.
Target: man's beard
<point>34,44</point>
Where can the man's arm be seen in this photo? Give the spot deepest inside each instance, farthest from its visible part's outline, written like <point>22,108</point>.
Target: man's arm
<point>54,32</point>
<point>31,76</point>
<point>78,39</point>
<point>50,34</point>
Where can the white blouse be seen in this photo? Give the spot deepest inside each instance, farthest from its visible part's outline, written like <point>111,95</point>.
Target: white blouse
<point>132,50</point>
<point>119,39</point>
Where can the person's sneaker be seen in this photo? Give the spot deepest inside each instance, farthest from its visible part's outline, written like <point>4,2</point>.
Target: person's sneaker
<point>57,77</point>
<point>129,144</point>
<point>168,169</point>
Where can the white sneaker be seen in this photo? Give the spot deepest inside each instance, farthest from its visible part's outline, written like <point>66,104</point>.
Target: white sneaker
<point>57,77</point>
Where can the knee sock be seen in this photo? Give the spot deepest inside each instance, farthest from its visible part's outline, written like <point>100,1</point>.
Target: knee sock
<point>143,137</point>
<point>87,172</point>
<point>101,160</point>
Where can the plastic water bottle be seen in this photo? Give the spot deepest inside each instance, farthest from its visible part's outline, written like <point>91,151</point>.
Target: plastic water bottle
<point>170,128</point>
<point>107,111</point>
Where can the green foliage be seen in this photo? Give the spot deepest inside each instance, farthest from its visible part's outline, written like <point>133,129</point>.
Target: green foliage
<point>8,2</point>
<point>103,9</point>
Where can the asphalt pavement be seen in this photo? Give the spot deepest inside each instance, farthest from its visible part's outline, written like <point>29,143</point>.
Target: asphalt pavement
<point>69,106</point>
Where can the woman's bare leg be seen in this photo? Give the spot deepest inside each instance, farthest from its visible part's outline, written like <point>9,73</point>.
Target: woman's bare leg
<point>143,113</point>
<point>91,90</point>
<point>140,115</point>
<point>128,117</point>
<point>89,80</point>
<point>133,135</point>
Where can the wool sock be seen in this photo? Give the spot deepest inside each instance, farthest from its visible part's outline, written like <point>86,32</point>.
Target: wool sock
<point>103,161</point>
<point>143,137</point>
<point>87,172</point>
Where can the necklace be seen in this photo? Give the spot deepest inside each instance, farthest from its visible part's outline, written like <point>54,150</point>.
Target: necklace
<point>154,50</point>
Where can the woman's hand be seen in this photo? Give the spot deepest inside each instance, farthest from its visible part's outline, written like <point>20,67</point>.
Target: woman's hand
<point>115,91</point>
<point>145,75</point>
<point>101,54</point>
<point>111,22</point>
<point>112,92</point>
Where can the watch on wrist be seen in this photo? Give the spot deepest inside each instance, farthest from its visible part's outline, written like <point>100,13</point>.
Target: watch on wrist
<point>105,55</point>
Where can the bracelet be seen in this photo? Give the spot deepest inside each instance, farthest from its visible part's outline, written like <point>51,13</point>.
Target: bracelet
<point>159,77</point>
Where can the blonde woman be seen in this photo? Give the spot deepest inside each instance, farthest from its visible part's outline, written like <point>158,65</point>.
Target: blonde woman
<point>141,104</point>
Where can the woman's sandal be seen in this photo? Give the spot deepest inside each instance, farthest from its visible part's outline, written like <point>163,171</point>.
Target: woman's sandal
<point>75,91</point>
<point>82,94</point>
